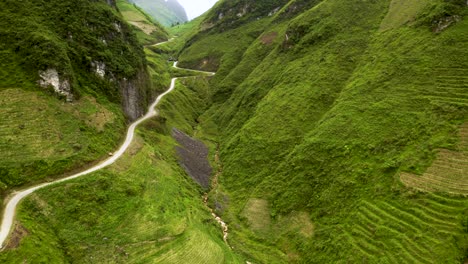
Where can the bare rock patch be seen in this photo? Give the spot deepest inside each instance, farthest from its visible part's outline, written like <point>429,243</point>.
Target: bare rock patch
<point>193,157</point>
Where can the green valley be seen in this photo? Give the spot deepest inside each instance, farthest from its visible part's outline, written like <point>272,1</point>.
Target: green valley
<point>337,132</point>
<point>320,108</point>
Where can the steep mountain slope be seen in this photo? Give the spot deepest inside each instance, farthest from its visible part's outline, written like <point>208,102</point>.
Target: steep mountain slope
<point>76,51</point>
<point>341,128</point>
<point>167,13</point>
<point>319,108</point>
<point>142,209</point>
<point>147,29</point>
<point>178,10</point>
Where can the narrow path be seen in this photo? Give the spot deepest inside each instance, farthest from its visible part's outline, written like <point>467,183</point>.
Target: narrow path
<point>10,209</point>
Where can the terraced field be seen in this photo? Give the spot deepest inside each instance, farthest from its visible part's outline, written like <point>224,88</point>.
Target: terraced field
<point>448,173</point>
<point>452,87</point>
<point>193,247</point>
<point>147,30</point>
<point>392,232</point>
<point>41,136</point>
<point>26,132</point>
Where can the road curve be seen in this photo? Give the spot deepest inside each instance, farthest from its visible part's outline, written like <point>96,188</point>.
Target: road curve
<point>10,209</point>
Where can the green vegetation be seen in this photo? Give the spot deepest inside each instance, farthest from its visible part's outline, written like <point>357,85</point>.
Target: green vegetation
<point>230,14</point>
<point>190,27</point>
<point>189,100</point>
<point>341,128</point>
<point>448,171</point>
<point>147,29</point>
<point>143,209</point>
<point>182,33</point>
<point>196,55</point>
<point>60,35</point>
<point>168,13</point>
<point>319,110</point>
<point>42,136</point>
<point>401,13</point>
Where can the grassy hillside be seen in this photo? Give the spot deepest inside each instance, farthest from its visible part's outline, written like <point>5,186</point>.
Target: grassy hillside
<point>143,209</point>
<point>341,128</point>
<point>168,13</point>
<point>320,111</point>
<point>96,55</point>
<point>147,29</point>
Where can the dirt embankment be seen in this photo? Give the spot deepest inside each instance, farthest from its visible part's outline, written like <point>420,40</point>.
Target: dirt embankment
<point>193,157</point>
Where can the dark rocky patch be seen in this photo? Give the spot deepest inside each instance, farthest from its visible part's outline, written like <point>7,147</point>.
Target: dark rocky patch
<point>193,157</point>
<point>17,235</point>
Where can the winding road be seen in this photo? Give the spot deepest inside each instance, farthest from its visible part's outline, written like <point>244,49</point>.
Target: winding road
<point>10,209</point>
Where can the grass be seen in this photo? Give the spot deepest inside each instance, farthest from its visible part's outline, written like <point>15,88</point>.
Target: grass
<point>186,28</point>
<point>414,228</point>
<point>317,112</point>
<point>48,40</point>
<point>402,12</point>
<point>196,56</point>
<point>189,99</point>
<point>326,115</point>
<point>142,209</point>
<point>165,13</point>
<point>147,29</point>
<point>258,214</point>
<point>43,137</point>
<point>446,174</point>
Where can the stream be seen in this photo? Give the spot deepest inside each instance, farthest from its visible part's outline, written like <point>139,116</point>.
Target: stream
<point>214,186</point>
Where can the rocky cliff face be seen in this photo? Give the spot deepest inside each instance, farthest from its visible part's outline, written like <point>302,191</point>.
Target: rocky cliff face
<point>135,94</point>
<point>80,47</point>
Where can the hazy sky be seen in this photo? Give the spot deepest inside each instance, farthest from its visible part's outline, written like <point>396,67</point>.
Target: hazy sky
<point>195,8</point>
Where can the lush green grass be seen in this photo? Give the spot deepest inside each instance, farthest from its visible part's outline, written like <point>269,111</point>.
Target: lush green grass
<point>183,32</point>
<point>196,55</point>
<point>409,230</point>
<point>159,69</point>
<point>163,11</point>
<point>189,27</point>
<point>147,29</point>
<point>403,12</point>
<point>42,136</point>
<point>317,113</point>
<point>143,209</point>
<point>320,112</point>
<point>38,37</point>
<point>448,171</point>
<point>189,99</point>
